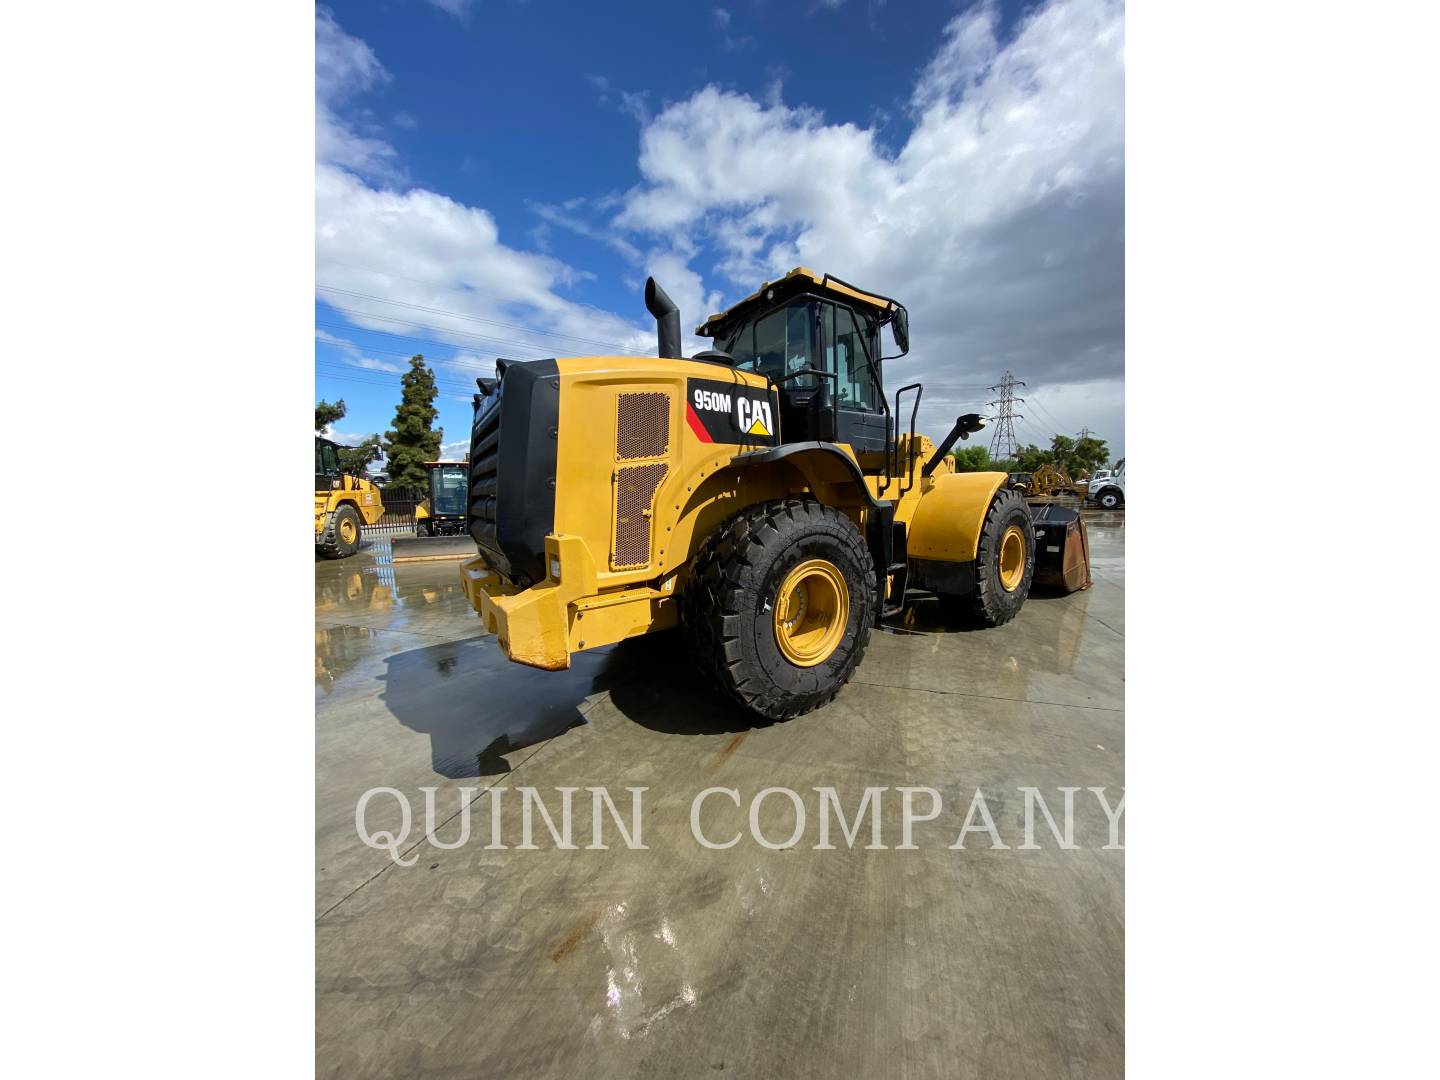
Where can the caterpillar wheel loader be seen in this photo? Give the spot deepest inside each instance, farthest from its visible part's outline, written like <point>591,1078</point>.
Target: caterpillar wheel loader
<point>440,526</point>
<point>343,504</point>
<point>765,496</point>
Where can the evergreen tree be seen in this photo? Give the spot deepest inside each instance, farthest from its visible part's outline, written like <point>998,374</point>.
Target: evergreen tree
<point>412,442</point>
<point>327,414</point>
<point>357,459</point>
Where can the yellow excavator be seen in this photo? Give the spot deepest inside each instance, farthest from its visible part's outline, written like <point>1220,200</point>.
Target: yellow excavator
<point>764,495</point>
<point>344,503</point>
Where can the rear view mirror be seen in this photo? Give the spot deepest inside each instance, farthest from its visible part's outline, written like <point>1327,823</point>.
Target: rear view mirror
<point>969,424</point>
<point>900,327</point>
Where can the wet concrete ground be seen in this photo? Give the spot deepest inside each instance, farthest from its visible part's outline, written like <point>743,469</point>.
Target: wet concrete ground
<point>678,960</point>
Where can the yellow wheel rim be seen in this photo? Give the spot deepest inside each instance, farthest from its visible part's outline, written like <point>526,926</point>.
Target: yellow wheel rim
<point>347,530</point>
<point>811,610</point>
<point>1012,558</point>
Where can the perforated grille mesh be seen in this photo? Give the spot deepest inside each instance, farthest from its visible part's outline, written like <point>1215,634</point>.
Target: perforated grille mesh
<point>634,488</point>
<point>642,426</point>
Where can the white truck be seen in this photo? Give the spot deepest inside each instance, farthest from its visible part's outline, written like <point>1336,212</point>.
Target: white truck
<point>1107,488</point>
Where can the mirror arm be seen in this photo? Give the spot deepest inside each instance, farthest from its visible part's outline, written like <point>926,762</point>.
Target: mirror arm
<point>964,425</point>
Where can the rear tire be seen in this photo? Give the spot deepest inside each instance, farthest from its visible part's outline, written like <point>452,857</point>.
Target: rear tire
<point>347,534</point>
<point>748,636</point>
<point>1004,565</point>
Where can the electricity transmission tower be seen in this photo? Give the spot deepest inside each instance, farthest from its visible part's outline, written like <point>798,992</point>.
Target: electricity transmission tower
<point>1002,443</point>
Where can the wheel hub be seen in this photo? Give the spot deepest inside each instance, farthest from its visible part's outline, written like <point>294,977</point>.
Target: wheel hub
<point>1012,558</point>
<point>812,608</point>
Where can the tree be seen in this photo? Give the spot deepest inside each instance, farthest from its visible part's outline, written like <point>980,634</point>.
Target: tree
<point>327,414</point>
<point>1077,457</point>
<point>411,442</point>
<point>1091,454</point>
<point>356,459</point>
<point>972,459</point>
<point>1030,457</point>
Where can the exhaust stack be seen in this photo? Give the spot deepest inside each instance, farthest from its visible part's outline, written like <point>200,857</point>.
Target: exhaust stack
<point>667,320</point>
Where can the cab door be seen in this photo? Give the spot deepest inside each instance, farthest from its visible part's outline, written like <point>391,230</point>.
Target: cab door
<point>849,348</point>
<point>327,466</point>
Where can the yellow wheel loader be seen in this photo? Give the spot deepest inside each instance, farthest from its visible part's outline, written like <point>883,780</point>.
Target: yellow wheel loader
<point>440,526</point>
<point>442,511</point>
<point>765,496</point>
<point>343,504</point>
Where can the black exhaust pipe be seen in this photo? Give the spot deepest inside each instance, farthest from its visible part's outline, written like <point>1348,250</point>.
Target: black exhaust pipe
<point>667,320</point>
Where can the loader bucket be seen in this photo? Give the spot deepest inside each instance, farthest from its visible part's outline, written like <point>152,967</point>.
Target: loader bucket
<point>418,548</point>
<point>1062,547</point>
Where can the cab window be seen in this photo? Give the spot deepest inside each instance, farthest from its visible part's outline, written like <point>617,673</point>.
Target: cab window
<point>776,345</point>
<point>326,461</point>
<point>845,341</point>
<point>449,490</point>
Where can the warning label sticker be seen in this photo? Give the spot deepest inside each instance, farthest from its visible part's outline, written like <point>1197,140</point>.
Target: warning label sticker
<point>727,412</point>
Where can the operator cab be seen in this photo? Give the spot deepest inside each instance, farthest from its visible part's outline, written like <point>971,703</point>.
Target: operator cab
<point>447,498</point>
<point>327,463</point>
<point>817,340</point>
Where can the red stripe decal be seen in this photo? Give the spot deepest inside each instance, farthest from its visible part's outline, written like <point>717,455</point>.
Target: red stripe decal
<point>695,425</point>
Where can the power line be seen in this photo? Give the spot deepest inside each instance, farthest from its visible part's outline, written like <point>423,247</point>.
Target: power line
<point>1002,443</point>
<point>1060,425</point>
<point>527,345</point>
<point>370,377</point>
<point>528,355</point>
<point>451,362</point>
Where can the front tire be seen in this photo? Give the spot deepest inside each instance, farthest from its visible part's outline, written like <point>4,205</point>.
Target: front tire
<point>779,606</point>
<point>347,534</point>
<point>1111,499</point>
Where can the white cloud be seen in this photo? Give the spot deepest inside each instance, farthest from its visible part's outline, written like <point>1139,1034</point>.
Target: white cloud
<point>374,236</point>
<point>999,221</point>
<point>459,8</point>
<point>345,67</point>
<point>351,354</point>
<point>426,250</point>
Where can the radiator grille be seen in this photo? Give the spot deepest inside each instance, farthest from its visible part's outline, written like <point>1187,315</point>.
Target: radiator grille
<point>484,471</point>
<point>642,426</point>
<point>634,489</point>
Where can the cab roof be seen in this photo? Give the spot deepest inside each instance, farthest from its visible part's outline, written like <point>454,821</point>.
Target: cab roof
<point>800,280</point>
<point>429,463</point>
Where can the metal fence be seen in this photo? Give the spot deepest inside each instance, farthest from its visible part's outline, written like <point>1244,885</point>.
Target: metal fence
<point>400,504</point>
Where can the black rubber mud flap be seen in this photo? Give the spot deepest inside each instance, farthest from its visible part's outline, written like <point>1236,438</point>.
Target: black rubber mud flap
<point>727,610</point>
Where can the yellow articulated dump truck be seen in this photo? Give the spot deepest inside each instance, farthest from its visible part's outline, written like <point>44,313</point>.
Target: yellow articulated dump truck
<point>343,504</point>
<point>764,496</point>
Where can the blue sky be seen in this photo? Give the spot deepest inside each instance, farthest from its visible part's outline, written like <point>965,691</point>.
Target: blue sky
<point>497,177</point>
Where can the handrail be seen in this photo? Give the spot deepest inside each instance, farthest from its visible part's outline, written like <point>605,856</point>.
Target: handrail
<point>910,445</point>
